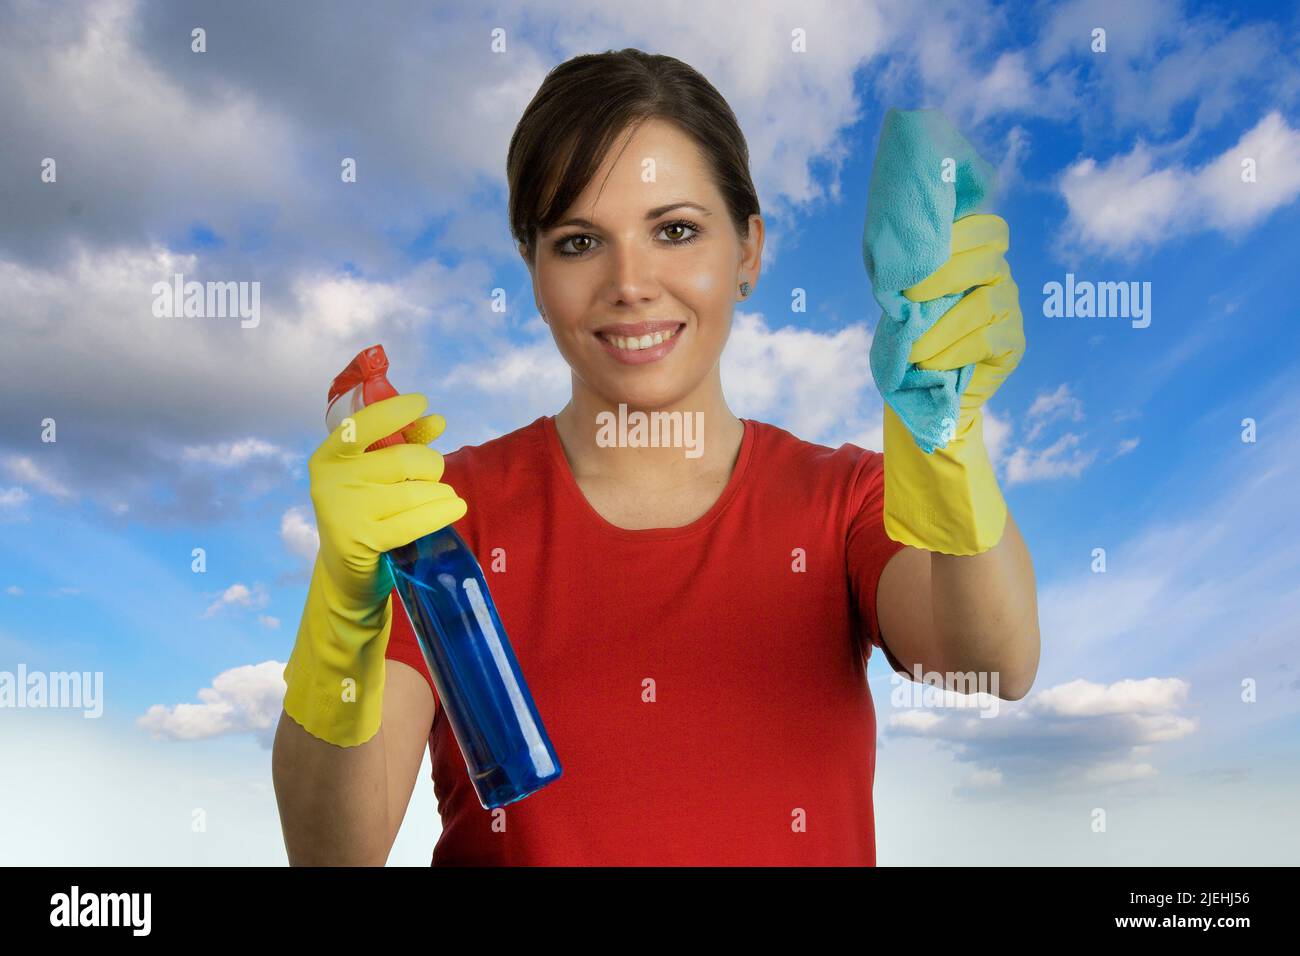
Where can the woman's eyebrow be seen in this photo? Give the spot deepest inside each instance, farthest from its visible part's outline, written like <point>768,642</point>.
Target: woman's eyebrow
<point>650,214</point>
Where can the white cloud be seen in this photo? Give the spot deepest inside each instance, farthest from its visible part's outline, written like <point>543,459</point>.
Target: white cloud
<point>1017,150</point>
<point>958,61</point>
<point>1129,202</point>
<point>1132,29</point>
<point>871,437</point>
<point>1061,459</point>
<point>1116,773</point>
<point>13,497</point>
<point>915,721</point>
<point>1083,698</point>
<point>505,388</point>
<point>232,454</point>
<point>114,98</point>
<point>14,590</point>
<point>984,779</point>
<point>215,381</point>
<point>1126,445</point>
<point>238,595</point>
<point>1273,147</point>
<point>268,622</point>
<point>1073,732</point>
<point>815,385</point>
<point>1124,202</point>
<point>1152,74</point>
<point>532,369</point>
<point>349,307</point>
<point>242,700</point>
<point>299,535</point>
<point>24,469</point>
<point>1049,406</point>
<point>997,433</point>
<point>1007,87</point>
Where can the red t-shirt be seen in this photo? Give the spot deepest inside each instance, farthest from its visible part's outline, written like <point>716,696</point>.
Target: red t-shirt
<point>704,687</point>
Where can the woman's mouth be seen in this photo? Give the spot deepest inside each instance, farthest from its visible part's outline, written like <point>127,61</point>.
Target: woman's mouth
<point>633,350</point>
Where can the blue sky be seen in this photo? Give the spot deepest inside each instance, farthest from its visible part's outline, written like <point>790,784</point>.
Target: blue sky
<point>180,434</point>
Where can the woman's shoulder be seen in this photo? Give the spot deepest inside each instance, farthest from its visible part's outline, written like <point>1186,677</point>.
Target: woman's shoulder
<point>493,474</point>
<point>850,454</point>
<point>501,456</point>
<point>838,479</point>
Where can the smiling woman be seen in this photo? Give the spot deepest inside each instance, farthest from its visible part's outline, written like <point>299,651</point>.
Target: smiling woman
<point>692,616</point>
<point>633,209</point>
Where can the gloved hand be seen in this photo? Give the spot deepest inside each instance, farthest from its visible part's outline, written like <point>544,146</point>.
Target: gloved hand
<point>366,503</point>
<point>949,501</point>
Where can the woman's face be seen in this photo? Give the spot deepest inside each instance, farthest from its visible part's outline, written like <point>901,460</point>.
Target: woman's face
<point>634,260</point>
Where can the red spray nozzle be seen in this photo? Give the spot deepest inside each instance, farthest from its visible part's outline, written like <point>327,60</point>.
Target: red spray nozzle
<point>362,383</point>
<point>370,363</point>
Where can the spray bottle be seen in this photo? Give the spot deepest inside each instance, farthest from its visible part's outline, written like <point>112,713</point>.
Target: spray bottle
<point>441,585</point>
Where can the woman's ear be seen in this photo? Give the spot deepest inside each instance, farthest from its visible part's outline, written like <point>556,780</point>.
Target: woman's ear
<point>752,249</point>
<point>523,254</point>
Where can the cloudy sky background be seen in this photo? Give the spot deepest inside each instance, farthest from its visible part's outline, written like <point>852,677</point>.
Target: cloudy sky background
<point>182,433</point>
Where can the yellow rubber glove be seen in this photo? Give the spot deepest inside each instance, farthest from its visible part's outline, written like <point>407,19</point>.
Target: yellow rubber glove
<point>949,501</point>
<point>366,503</point>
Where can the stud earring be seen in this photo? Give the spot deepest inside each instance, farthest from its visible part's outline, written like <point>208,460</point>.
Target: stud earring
<point>744,289</point>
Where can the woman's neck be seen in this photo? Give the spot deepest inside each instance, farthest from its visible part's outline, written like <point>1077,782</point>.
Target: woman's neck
<point>660,447</point>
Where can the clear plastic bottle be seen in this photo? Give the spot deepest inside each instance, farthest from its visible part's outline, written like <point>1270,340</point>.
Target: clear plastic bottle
<point>480,687</point>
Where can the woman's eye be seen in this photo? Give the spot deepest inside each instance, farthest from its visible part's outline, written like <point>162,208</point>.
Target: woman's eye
<point>679,225</point>
<point>562,245</point>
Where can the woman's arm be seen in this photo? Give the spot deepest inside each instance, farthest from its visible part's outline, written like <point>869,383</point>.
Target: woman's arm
<point>977,613</point>
<point>343,806</point>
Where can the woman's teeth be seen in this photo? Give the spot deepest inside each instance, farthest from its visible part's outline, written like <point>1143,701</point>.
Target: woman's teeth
<point>644,342</point>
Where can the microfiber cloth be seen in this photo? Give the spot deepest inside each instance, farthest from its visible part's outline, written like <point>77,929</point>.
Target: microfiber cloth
<point>908,235</point>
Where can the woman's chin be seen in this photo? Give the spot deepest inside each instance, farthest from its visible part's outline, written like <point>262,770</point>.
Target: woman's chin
<point>642,397</point>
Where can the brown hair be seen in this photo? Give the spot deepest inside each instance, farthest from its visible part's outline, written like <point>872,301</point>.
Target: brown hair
<point>585,103</point>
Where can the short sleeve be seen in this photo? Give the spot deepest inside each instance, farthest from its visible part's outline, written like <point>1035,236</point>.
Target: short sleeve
<point>868,547</point>
<point>403,645</point>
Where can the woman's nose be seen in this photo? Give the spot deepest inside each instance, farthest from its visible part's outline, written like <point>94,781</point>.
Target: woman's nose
<point>632,277</point>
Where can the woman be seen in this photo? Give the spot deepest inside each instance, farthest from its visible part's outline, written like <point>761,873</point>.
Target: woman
<point>692,615</point>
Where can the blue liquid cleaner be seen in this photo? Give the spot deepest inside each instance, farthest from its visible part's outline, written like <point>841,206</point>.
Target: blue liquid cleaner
<point>473,667</point>
<point>480,687</point>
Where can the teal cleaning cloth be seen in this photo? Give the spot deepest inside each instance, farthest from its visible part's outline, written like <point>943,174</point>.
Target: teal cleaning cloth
<point>926,177</point>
